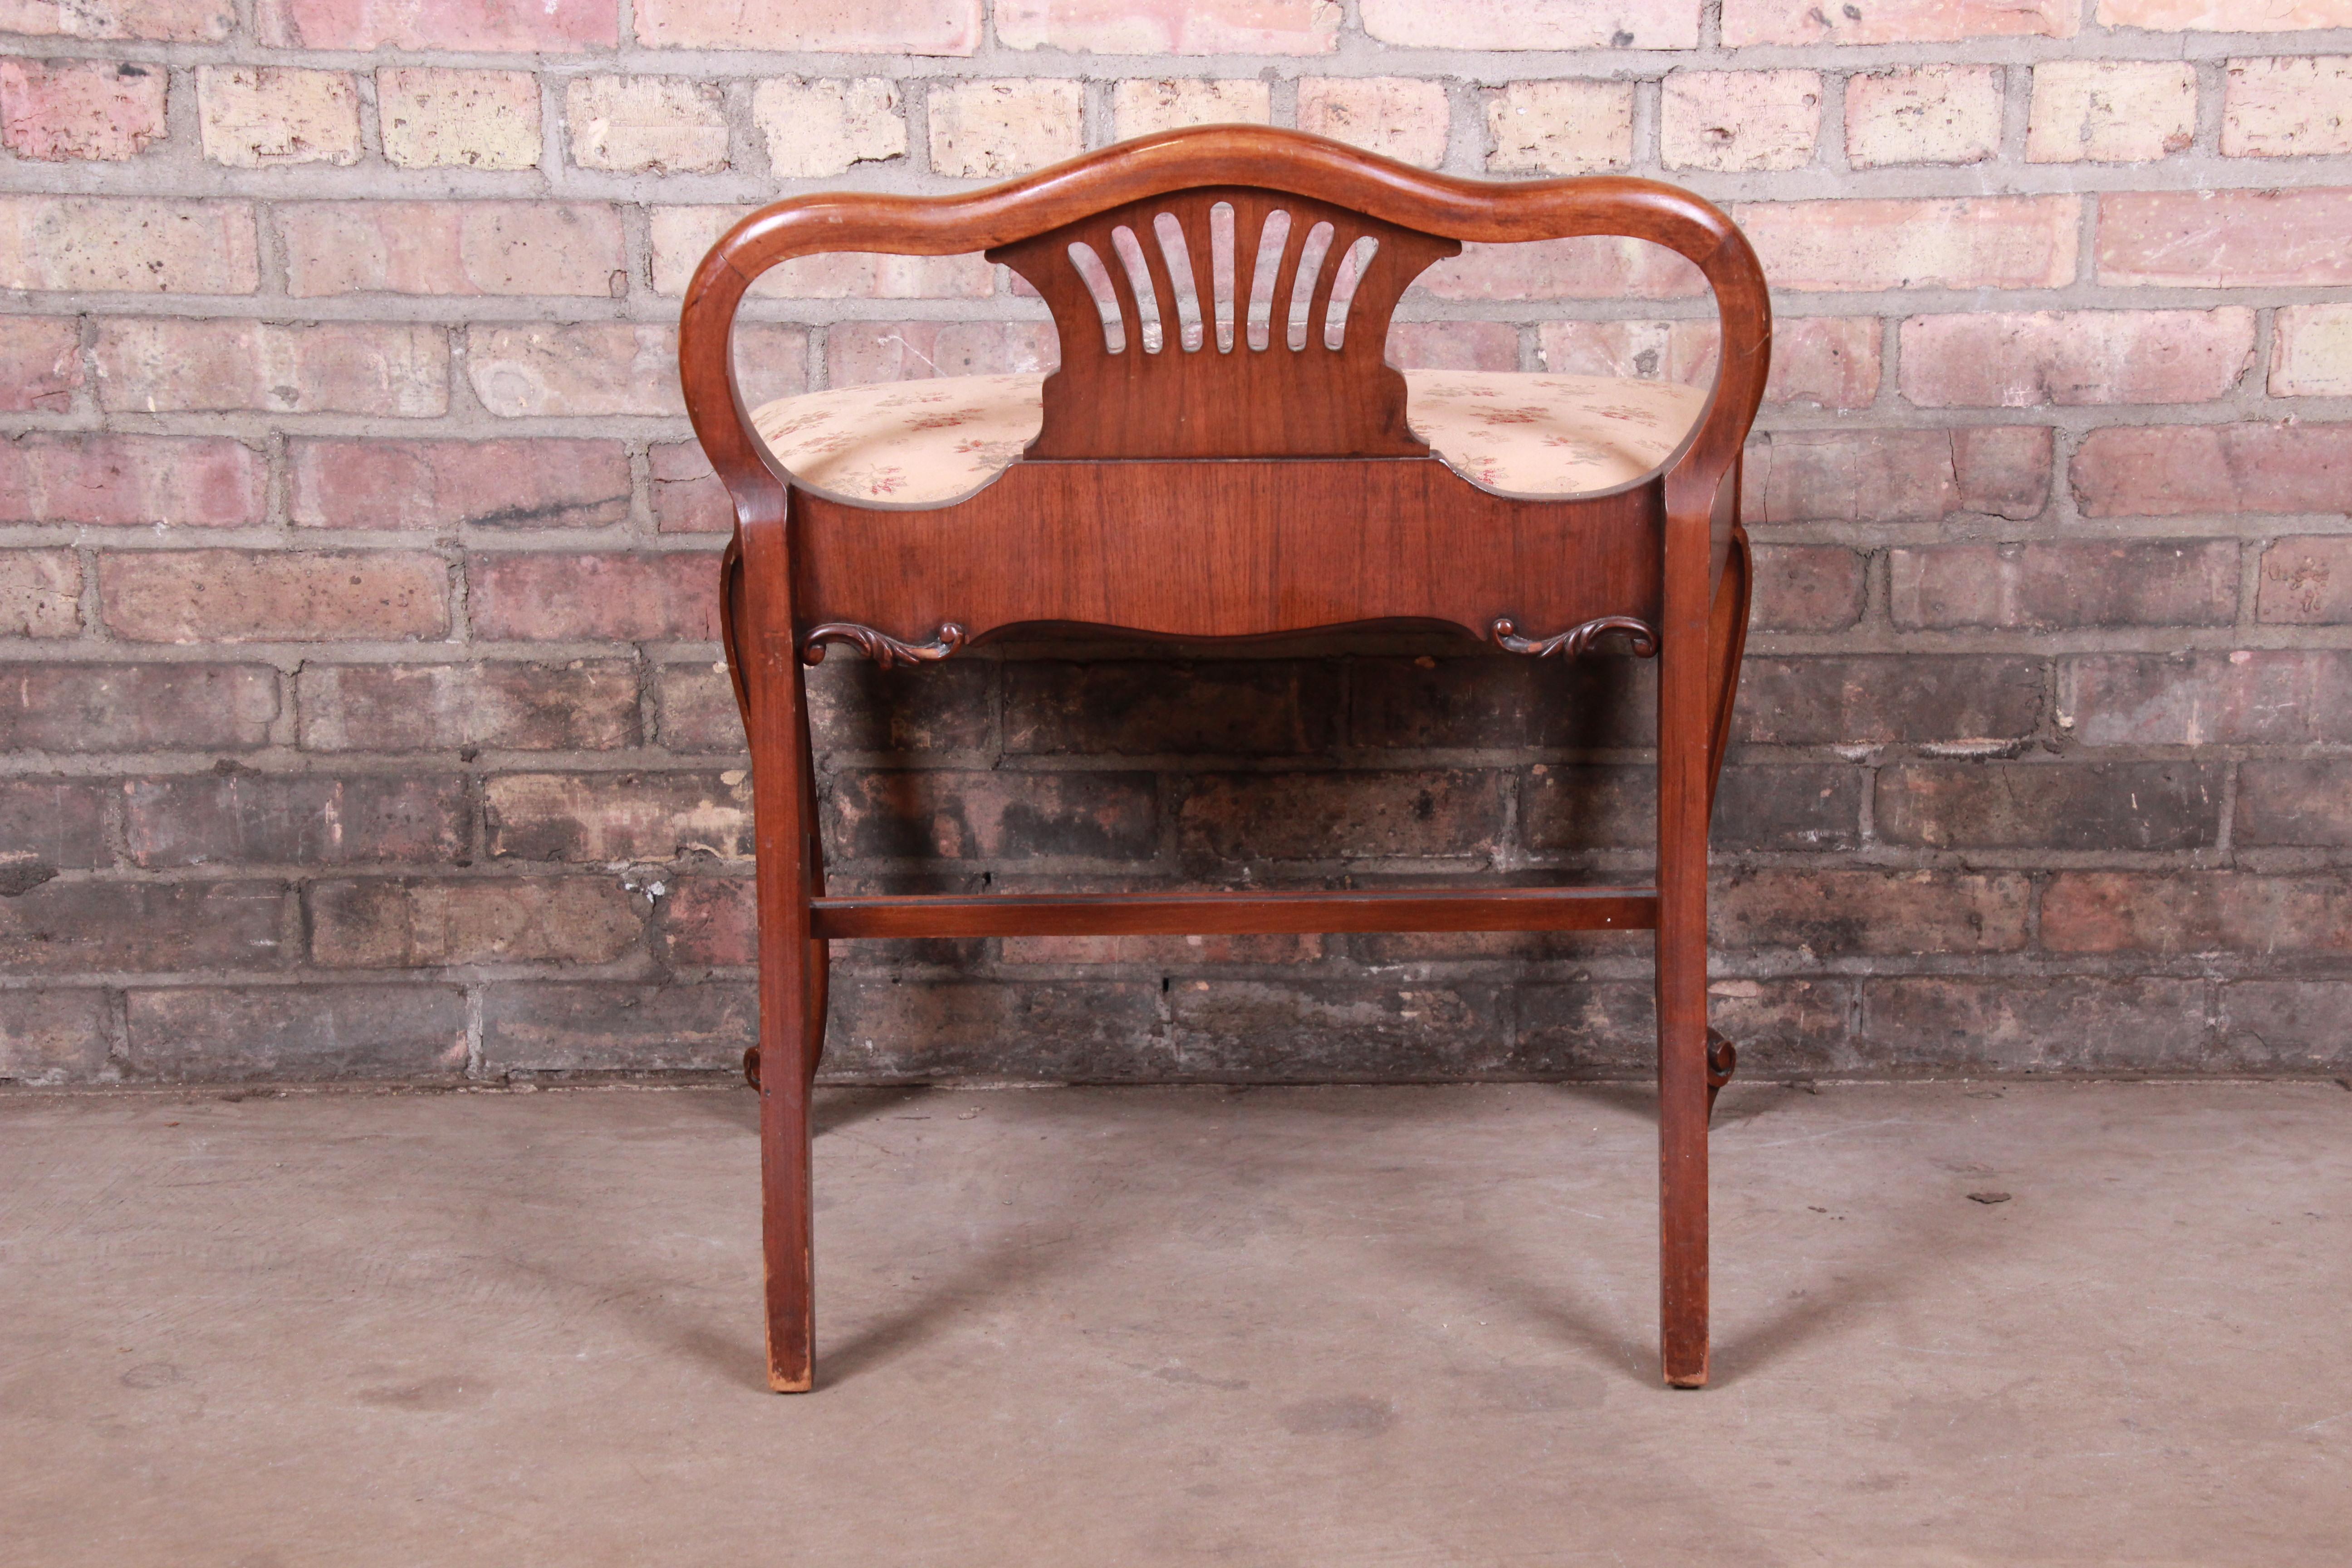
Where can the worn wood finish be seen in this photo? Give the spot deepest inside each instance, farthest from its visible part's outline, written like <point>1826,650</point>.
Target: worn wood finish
<point>1214,547</point>
<point>1226,550</point>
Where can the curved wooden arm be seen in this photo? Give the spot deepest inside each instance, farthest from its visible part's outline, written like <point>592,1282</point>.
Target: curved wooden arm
<point>1290,161</point>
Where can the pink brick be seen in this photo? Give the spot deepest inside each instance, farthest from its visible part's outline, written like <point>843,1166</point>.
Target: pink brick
<point>442,484</point>
<point>668,124</point>
<point>1950,242</point>
<point>2307,582</point>
<point>831,26</point>
<point>2173,470</point>
<point>1593,268</point>
<point>1829,361</point>
<point>2287,108</point>
<point>40,594</point>
<point>1453,345</point>
<point>452,247</point>
<point>166,21</point>
<point>1534,24</point>
<point>1923,114</point>
<point>686,495</point>
<point>2111,112</point>
<point>864,353</point>
<point>1404,117</point>
<point>1894,21</point>
<point>2065,584</point>
<point>2311,352</point>
<point>1885,476</point>
<point>2212,912</point>
<point>2248,697</point>
<point>683,235</point>
<point>2069,357</point>
<point>551,27</point>
<point>134,245</point>
<point>608,368</point>
<point>2226,15</point>
<point>1171,27</point>
<point>127,482</point>
<point>2226,239</point>
<point>269,117</point>
<point>610,596</point>
<point>1739,121</point>
<point>152,364</point>
<point>57,110</point>
<point>238,596</point>
<point>40,363</point>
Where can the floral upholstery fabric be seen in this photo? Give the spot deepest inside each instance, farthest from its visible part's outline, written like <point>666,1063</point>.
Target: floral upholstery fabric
<point>917,444</point>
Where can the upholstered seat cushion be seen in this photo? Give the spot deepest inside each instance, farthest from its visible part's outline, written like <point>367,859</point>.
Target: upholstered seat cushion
<point>915,444</point>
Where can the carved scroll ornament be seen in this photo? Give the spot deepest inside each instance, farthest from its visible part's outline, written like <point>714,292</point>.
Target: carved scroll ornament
<point>880,647</point>
<point>1576,641</point>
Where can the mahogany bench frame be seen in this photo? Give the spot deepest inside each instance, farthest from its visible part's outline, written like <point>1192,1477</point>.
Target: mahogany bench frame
<point>1207,494</point>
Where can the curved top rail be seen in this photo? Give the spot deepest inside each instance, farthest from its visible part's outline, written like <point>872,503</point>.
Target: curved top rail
<point>1288,160</point>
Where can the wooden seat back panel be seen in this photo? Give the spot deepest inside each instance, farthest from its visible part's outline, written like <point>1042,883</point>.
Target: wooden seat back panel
<point>1230,549</point>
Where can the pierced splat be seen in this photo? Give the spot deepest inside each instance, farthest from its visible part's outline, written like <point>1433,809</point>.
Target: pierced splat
<point>1224,323</point>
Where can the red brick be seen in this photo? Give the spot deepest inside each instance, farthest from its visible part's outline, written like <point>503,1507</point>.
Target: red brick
<point>1314,1031</point>
<point>1808,587</point>
<point>1871,912</point>
<point>2196,911</point>
<point>151,364</point>
<point>698,709</point>
<point>269,117</point>
<point>1170,26</point>
<point>559,26</point>
<point>611,595</point>
<point>1806,807</point>
<point>1177,952</point>
<point>1739,122</point>
<point>2250,697</point>
<point>2287,108</point>
<point>2173,470</point>
<point>686,495</point>
<point>1939,242</point>
<point>612,1026</point>
<point>310,820</point>
<point>2225,239</point>
<point>2013,1025</point>
<point>1588,268</point>
<point>845,26</point>
<point>1139,707</point>
<point>2121,582</point>
<point>136,707</point>
<point>1572,809</point>
<point>2111,112</point>
<point>2307,582</point>
<point>60,110</point>
<point>134,245</point>
<point>168,21</point>
<point>1533,25</point>
<point>711,920</point>
<point>335,483</point>
<point>618,816</point>
<point>234,595</point>
<point>2286,1026</point>
<point>1502,701</point>
<point>1936,113</point>
<point>256,1034</point>
<point>1404,117</point>
<point>1829,361</point>
<point>1885,700</point>
<point>40,363</point>
<point>1352,815</point>
<point>2226,15</point>
<point>1453,345</point>
<point>1887,476</point>
<point>682,236</point>
<point>2297,801</point>
<point>861,353</point>
<point>1748,22</point>
<point>2070,357</point>
<point>602,369</point>
<point>972,815</point>
<point>66,926</point>
<point>402,922</point>
<point>184,481</point>
<point>55,822</point>
<point>582,705</point>
<point>2053,805</point>
<point>453,248</point>
<point>52,1035</point>
<point>857,706</point>
<point>40,594</point>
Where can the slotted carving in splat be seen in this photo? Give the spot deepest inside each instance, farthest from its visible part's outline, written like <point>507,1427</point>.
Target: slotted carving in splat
<point>1224,321</point>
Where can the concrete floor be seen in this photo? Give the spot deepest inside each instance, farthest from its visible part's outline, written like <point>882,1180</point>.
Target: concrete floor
<point>1322,1327</point>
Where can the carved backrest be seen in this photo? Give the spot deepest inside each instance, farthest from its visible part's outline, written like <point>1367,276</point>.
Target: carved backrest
<point>1223,322</point>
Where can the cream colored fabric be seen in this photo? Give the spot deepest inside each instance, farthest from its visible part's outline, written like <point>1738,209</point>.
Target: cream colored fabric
<point>913,444</point>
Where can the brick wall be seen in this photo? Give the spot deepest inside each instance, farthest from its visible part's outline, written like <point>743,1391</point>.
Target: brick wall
<point>362,713</point>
